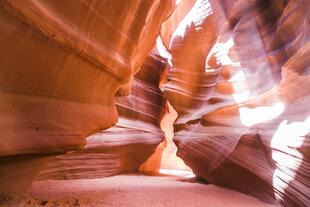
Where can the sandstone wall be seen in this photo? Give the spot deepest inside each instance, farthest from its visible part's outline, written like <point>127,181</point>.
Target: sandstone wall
<point>239,81</point>
<point>62,63</point>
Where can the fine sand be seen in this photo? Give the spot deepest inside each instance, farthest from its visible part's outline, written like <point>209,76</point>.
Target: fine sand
<point>133,190</point>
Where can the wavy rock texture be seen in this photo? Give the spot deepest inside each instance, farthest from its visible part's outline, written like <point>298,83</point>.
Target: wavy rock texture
<point>62,64</point>
<point>240,83</point>
<point>125,146</point>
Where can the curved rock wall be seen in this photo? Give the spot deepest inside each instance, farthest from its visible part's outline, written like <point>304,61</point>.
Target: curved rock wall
<point>238,79</point>
<point>62,62</point>
<point>125,146</point>
<point>239,82</point>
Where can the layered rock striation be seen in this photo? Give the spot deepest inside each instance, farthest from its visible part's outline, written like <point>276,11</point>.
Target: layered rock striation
<point>239,82</point>
<point>238,79</point>
<point>62,63</point>
<point>125,146</point>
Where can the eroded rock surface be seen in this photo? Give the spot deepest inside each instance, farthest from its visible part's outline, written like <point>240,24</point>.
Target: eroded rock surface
<point>125,146</point>
<point>62,64</point>
<point>239,81</point>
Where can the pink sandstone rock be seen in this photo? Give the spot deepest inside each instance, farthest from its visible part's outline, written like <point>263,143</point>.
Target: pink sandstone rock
<point>239,82</point>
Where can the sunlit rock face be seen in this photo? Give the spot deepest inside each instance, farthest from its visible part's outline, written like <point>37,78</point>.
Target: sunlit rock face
<point>62,62</point>
<point>125,146</point>
<point>239,80</point>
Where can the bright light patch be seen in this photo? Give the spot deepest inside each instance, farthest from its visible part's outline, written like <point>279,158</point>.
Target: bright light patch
<point>241,97</point>
<point>238,76</point>
<point>196,16</point>
<point>248,116</point>
<point>285,143</point>
<point>177,2</point>
<point>224,51</point>
<point>221,51</point>
<point>163,50</point>
<point>251,116</point>
<point>181,173</point>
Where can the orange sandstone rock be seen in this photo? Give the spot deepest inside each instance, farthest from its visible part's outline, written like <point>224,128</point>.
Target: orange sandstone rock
<point>62,62</point>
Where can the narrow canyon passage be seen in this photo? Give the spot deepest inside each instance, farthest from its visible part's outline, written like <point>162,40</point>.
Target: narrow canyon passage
<point>171,185</point>
<point>154,103</point>
<point>174,184</point>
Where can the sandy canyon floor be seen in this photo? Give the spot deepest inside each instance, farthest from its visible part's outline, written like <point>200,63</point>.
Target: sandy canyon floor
<point>131,190</point>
